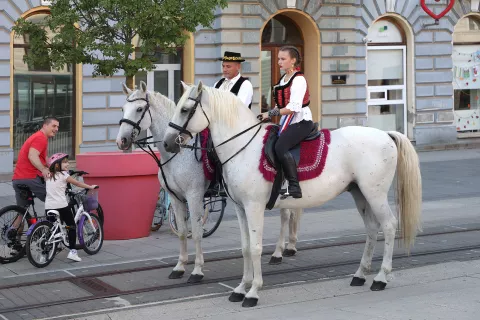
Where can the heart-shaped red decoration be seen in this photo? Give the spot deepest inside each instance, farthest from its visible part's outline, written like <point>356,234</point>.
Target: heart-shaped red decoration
<point>441,14</point>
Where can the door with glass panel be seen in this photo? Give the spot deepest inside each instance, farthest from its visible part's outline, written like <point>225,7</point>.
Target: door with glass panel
<point>165,78</point>
<point>386,90</point>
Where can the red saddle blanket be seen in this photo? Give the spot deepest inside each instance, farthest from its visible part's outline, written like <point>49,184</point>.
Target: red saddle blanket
<point>313,156</point>
<point>208,165</point>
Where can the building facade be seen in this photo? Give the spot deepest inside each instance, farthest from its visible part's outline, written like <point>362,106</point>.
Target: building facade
<point>378,63</point>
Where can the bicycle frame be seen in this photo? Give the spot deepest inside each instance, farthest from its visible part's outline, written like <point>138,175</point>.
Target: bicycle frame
<point>62,235</point>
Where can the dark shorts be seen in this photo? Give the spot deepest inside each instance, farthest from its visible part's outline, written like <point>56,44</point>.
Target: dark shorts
<point>37,186</point>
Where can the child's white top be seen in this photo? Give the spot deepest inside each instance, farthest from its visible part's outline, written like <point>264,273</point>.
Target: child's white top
<point>56,198</point>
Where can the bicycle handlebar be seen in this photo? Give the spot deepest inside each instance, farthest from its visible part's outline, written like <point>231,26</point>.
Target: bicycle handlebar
<point>77,173</point>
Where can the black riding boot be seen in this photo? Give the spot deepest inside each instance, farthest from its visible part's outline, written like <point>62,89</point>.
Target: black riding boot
<point>290,170</point>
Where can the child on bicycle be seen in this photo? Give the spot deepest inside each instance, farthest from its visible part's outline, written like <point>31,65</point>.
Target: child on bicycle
<point>56,198</point>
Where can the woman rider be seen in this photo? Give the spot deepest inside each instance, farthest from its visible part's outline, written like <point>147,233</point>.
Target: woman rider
<point>292,99</point>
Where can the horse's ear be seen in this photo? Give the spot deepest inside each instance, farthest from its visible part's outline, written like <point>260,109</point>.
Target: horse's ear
<point>143,86</point>
<point>200,87</point>
<point>184,85</point>
<point>126,90</point>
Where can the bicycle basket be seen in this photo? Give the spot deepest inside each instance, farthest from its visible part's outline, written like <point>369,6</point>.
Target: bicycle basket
<point>90,200</point>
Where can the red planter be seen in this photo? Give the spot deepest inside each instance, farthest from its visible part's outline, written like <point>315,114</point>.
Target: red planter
<point>128,192</point>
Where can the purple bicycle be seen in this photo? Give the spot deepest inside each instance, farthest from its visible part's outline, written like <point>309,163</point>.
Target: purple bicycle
<point>44,237</point>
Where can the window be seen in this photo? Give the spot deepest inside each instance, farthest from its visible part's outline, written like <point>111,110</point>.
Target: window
<point>466,79</point>
<point>39,92</point>
<point>165,77</point>
<point>386,71</point>
<point>281,30</point>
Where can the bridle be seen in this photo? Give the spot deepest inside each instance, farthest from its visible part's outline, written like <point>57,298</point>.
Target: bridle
<point>136,125</point>
<point>183,129</point>
<point>141,143</point>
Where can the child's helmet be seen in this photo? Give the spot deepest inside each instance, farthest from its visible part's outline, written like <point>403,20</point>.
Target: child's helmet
<point>55,158</point>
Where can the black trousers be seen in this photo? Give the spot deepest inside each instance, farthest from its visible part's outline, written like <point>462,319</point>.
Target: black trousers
<point>66,215</point>
<point>293,135</point>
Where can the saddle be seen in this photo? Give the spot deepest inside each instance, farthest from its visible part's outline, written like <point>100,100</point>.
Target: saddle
<point>269,151</point>
<point>269,148</point>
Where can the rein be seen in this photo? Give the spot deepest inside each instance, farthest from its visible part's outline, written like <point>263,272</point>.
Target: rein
<point>228,140</point>
<point>141,143</point>
<point>183,129</point>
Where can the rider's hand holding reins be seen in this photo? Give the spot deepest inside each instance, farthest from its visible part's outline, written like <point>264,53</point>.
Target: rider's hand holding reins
<point>263,116</point>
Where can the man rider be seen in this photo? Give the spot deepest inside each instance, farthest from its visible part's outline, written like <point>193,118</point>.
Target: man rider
<point>232,79</point>
<point>234,82</point>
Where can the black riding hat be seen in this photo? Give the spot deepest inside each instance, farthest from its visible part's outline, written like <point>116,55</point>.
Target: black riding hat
<point>229,56</point>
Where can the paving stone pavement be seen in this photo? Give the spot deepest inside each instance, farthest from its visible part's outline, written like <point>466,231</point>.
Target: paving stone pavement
<point>443,291</point>
<point>450,187</point>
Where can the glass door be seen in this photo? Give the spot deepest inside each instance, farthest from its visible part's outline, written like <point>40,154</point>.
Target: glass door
<point>165,78</point>
<point>387,88</point>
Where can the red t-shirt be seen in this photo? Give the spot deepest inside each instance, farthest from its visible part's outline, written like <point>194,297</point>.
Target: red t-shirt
<point>24,168</point>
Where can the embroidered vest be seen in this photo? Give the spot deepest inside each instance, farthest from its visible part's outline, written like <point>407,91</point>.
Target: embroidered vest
<point>281,94</point>
<point>236,88</point>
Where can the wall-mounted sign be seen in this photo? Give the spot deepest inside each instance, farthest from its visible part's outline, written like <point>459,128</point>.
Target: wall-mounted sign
<point>339,79</point>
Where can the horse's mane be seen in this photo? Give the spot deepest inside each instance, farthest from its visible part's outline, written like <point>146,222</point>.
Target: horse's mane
<point>223,104</point>
<point>165,102</point>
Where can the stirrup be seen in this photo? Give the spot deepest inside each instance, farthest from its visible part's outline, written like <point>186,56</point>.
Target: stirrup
<point>284,193</point>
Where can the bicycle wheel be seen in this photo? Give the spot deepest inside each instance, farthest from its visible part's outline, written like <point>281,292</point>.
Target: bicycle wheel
<point>90,239</point>
<point>213,214</point>
<point>39,251</point>
<point>12,240</point>
<point>159,213</point>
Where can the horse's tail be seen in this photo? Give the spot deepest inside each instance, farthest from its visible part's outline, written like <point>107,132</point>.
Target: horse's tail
<point>409,188</point>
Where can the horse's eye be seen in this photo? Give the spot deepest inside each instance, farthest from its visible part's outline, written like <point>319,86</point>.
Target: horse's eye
<point>184,110</point>
<point>139,109</point>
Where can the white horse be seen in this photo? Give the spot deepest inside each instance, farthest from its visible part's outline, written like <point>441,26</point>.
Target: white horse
<point>152,110</point>
<point>361,160</point>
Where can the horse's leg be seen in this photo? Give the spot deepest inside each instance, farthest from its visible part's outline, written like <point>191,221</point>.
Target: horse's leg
<point>372,227</point>
<point>180,210</point>
<point>285,216</point>
<point>383,214</point>
<point>295,216</point>
<point>240,291</point>
<point>196,214</point>
<point>255,218</point>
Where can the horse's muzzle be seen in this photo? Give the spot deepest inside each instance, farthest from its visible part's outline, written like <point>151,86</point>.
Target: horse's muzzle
<point>124,143</point>
<point>171,147</point>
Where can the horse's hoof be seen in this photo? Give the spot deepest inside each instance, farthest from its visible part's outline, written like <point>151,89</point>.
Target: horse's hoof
<point>176,274</point>
<point>289,252</point>
<point>378,286</point>
<point>236,297</point>
<point>195,278</point>
<point>357,282</point>
<point>249,302</point>
<point>275,260</point>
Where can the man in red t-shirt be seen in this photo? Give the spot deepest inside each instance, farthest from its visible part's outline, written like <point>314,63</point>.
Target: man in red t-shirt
<point>32,159</point>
